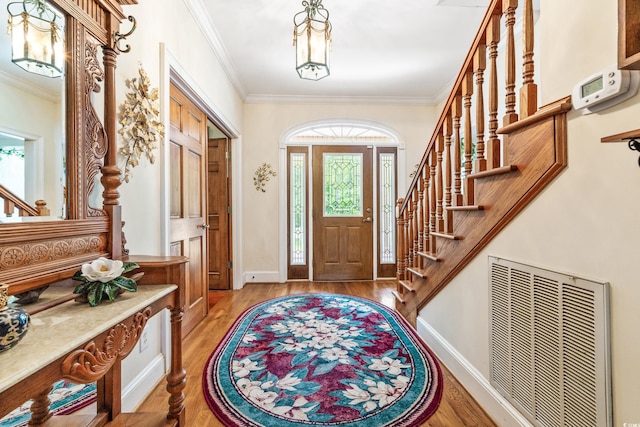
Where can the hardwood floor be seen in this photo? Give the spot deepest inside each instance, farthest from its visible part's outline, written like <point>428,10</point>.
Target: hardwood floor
<point>457,408</point>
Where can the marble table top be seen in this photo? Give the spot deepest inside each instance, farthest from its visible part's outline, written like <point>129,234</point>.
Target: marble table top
<point>57,330</point>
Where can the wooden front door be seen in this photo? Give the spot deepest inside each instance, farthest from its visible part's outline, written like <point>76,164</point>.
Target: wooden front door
<point>219,204</point>
<point>342,213</point>
<point>188,233</point>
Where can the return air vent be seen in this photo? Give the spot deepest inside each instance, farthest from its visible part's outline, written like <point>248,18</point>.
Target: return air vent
<point>550,345</point>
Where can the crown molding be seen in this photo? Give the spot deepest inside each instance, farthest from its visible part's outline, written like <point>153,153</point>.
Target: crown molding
<point>29,87</point>
<point>202,19</point>
<point>366,100</point>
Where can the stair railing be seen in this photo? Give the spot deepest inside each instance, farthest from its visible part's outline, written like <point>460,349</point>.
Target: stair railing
<point>13,202</point>
<point>459,151</point>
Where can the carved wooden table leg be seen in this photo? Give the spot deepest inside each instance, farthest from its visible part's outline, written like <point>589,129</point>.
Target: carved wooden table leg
<point>176,380</point>
<point>40,407</point>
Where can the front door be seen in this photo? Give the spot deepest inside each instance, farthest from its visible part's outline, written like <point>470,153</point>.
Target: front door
<point>342,213</point>
<point>188,227</point>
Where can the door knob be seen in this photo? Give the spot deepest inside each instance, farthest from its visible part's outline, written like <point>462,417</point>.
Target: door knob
<point>205,226</point>
<point>367,219</point>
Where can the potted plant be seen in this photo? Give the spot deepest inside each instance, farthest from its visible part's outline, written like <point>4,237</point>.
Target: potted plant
<point>104,277</point>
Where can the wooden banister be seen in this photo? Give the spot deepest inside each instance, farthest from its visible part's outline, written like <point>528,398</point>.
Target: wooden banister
<point>11,202</point>
<point>445,211</point>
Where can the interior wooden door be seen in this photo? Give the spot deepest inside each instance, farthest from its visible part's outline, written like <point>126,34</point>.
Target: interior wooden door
<point>342,213</point>
<point>219,205</point>
<point>188,228</point>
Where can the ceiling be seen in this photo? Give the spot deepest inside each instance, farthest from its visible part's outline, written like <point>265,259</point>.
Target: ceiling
<point>402,52</point>
<point>407,51</point>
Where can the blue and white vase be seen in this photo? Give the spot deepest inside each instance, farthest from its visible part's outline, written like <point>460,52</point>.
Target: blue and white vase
<point>14,321</point>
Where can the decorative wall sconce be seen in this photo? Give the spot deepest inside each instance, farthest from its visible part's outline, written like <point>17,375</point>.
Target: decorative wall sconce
<point>36,37</point>
<point>262,175</point>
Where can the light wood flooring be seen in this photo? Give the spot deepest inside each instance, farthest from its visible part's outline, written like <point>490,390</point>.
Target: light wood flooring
<point>457,408</point>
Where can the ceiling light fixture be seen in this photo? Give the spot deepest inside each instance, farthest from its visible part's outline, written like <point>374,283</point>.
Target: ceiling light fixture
<point>312,39</point>
<point>36,38</point>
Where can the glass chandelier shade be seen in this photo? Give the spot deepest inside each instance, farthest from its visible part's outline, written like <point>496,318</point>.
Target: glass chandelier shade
<point>312,40</point>
<point>36,38</point>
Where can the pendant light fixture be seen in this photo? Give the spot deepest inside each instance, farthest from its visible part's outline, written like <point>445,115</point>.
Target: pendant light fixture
<point>36,37</point>
<point>312,40</point>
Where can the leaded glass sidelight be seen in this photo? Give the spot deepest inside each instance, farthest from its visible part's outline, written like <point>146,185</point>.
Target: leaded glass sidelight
<point>297,206</point>
<point>342,184</point>
<point>387,198</point>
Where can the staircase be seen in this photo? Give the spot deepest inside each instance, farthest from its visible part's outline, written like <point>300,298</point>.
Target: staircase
<point>13,203</point>
<point>468,187</point>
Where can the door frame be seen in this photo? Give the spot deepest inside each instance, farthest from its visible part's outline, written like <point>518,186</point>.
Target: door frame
<point>286,141</point>
<point>172,72</point>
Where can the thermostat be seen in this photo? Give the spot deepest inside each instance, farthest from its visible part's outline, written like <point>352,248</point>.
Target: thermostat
<point>605,89</point>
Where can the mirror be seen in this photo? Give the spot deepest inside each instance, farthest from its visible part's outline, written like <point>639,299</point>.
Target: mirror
<point>32,129</point>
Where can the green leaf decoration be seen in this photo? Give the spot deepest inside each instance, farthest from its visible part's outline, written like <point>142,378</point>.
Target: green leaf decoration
<point>111,291</point>
<point>128,266</point>
<point>83,288</point>
<point>125,283</point>
<point>95,294</point>
<point>78,276</point>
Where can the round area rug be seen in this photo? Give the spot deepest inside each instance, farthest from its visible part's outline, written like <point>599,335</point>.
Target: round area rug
<point>322,360</point>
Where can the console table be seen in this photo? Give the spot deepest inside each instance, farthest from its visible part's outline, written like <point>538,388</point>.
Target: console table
<point>85,344</point>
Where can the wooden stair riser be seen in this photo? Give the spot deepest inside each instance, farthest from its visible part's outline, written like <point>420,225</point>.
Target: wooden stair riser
<point>539,150</point>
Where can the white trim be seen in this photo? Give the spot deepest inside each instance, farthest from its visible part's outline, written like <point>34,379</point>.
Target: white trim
<point>282,181</point>
<point>317,99</point>
<point>31,88</point>
<point>201,17</point>
<point>34,181</point>
<point>496,406</point>
<point>143,384</point>
<point>166,59</point>
<point>389,131</point>
<point>261,277</point>
<point>169,66</point>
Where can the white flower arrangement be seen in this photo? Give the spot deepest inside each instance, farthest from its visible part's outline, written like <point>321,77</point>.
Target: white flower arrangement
<point>104,277</point>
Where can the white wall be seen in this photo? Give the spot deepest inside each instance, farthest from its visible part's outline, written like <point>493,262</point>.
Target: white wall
<point>166,35</point>
<point>265,124</point>
<point>188,51</point>
<point>585,223</point>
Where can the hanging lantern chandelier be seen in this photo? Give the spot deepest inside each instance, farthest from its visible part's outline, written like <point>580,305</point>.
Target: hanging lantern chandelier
<point>36,37</point>
<point>312,40</point>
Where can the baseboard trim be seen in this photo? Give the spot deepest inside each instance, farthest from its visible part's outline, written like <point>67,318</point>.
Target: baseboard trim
<point>496,406</point>
<point>143,384</point>
<point>261,277</point>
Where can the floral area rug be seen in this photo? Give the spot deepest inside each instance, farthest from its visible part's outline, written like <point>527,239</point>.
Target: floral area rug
<point>322,360</point>
<point>66,397</point>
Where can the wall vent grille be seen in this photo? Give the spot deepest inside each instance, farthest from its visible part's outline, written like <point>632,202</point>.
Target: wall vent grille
<point>549,340</point>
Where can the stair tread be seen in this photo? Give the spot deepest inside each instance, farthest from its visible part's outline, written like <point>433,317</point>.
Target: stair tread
<point>407,285</point>
<point>429,255</point>
<point>417,272</point>
<point>465,208</point>
<point>493,172</point>
<point>397,295</point>
<point>446,236</point>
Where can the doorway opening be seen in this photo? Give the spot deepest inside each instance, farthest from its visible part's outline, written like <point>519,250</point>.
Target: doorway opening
<point>341,186</point>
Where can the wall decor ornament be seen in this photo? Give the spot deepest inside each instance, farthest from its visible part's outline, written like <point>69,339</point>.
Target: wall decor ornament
<point>139,118</point>
<point>262,175</point>
<point>14,321</point>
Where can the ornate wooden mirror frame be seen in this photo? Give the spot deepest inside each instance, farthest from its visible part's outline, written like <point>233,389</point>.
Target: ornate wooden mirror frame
<point>36,253</point>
